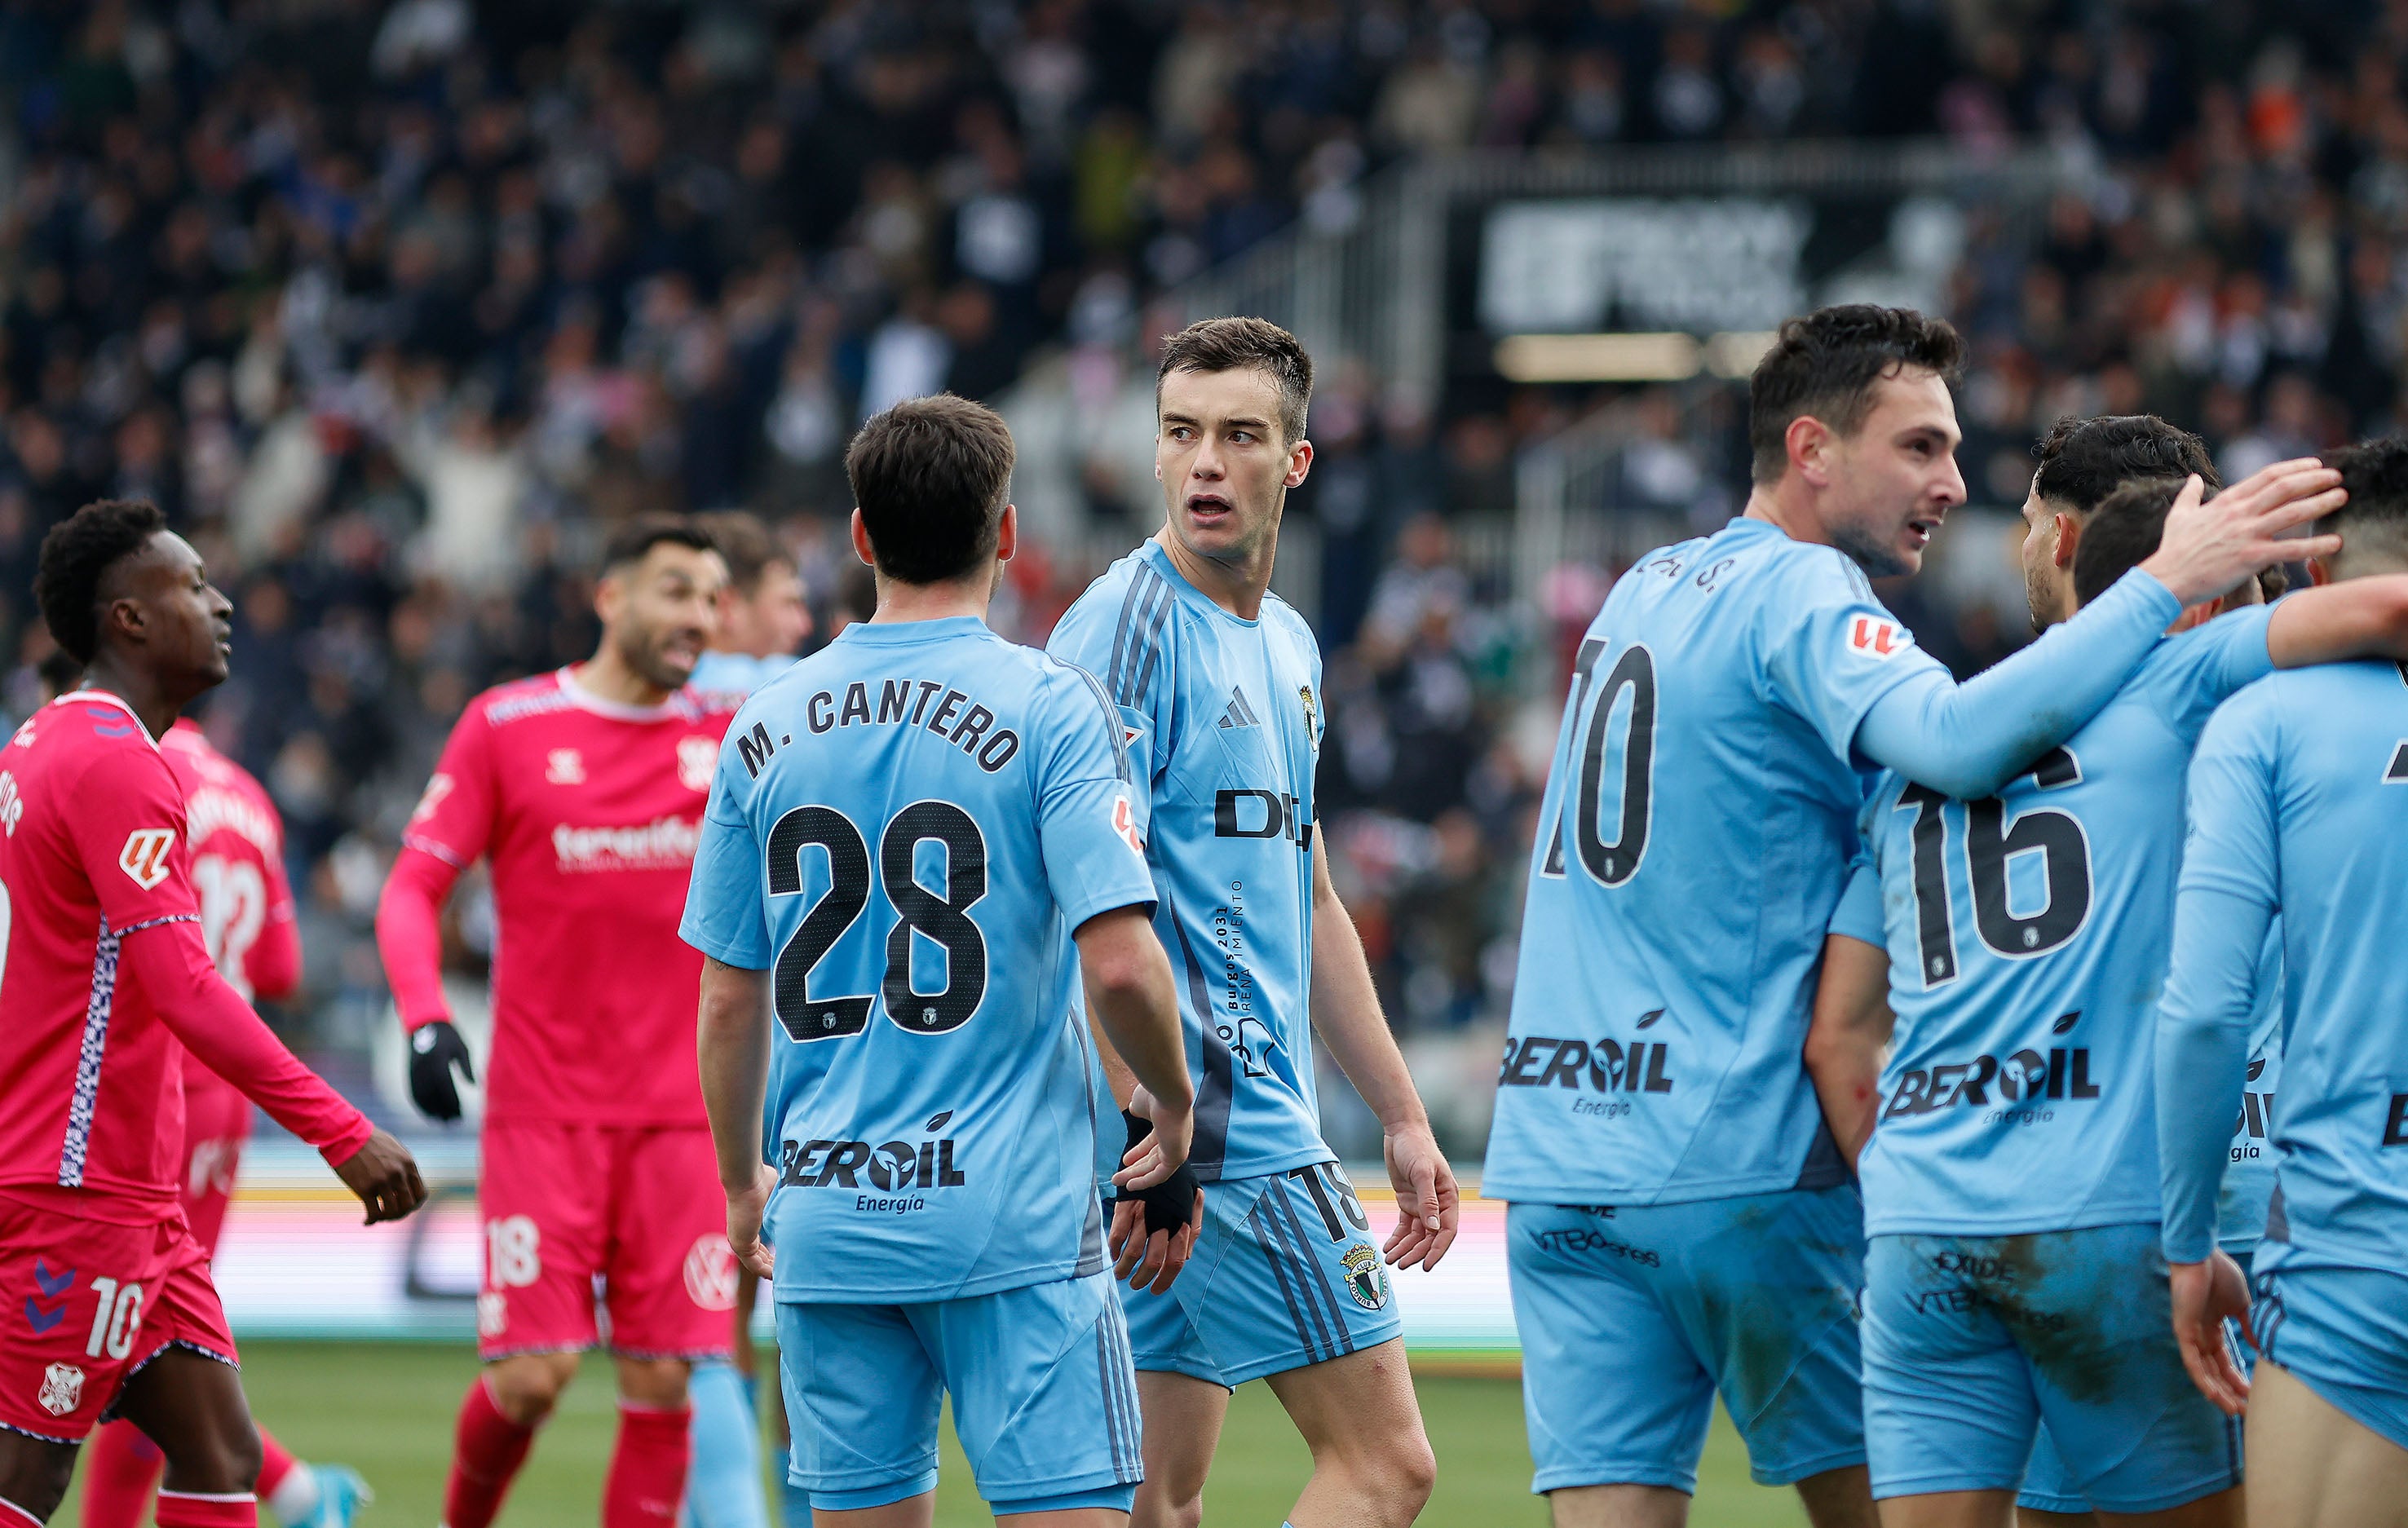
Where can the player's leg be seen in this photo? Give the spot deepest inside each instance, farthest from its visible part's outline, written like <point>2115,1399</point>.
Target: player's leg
<point>1182,1432</point>
<point>535,1304</point>
<point>2049,1498</point>
<point>121,1467</point>
<point>1371,1459</point>
<point>2328,1405</point>
<point>1950,1414</point>
<point>1615,1399</point>
<point>655,1448</point>
<point>1045,1399</point>
<point>864,1396</point>
<point>33,1475</point>
<point>2091,1312</point>
<point>185,1393</point>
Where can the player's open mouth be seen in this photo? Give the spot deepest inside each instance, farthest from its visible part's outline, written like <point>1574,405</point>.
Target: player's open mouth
<point>1208,508</point>
<point>1922,531</point>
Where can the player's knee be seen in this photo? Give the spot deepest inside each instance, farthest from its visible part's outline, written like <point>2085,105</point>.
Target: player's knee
<point>1164,1504</point>
<point>657,1382</point>
<point>221,1461</point>
<point>526,1386</point>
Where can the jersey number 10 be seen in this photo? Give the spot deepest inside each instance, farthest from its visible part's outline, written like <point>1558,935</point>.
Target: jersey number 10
<point>941,917</point>
<point>1610,864</point>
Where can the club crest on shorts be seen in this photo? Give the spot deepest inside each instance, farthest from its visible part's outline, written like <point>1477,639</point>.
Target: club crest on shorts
<point>61,1388</point>
<point>710,1272</point>
<point>1365,1280</point>
<point>697,756</point>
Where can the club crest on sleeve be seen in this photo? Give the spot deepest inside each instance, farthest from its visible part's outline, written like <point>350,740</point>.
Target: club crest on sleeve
<point>1880,640</point>
<point>696,756</point>
<point>145,855</point>
<point>61,1388</point>
<point>438,786</point>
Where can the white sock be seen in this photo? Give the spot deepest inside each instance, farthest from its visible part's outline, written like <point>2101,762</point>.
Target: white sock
<point>296,1496</point>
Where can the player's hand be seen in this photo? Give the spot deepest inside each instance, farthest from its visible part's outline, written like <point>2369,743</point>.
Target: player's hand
<point>1164,1149</point>
<point>1154,1229</point>
<point>2211,545</point>
<point>746,1207</point>
<point>385,1177</point>
<point>434,1050</point>
<point>2204,1295</point>
<point>1150,1259</point>
<point>1429,1204</point>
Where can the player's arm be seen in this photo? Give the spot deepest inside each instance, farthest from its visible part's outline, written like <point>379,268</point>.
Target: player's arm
<point>732,1042</point>
<point>447,833</point>
<point>1846,1039</point>
<point>272,965</point>
<point>1968,740</point>
<point>1346,1013</point>
<point>2364,617</point>
<point>1130,997</point>
<point>2222,911</point>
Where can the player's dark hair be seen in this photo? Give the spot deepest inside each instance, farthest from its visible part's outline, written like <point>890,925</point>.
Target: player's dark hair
<point>745,545</point>
<point>77,556</point>
<point>628,544</point>
<point>930,477</point>
<point>1241,345</point>
<point>1826,363</point>
<point>2375,475</point>
<point>2081,461</point>
<point>2122,534</point>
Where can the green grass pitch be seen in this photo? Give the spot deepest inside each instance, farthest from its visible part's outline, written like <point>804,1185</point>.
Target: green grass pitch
<point>387,1410</point>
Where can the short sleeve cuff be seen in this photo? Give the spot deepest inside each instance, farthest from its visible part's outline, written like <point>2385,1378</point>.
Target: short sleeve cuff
<point>735,953</point>
<point>1111,900</point>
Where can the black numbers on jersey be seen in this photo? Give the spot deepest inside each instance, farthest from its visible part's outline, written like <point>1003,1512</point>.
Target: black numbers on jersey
<point>1991,843</point>
<point>940,916</point>
<point>1610,863</point>
<point>1341,1212</point>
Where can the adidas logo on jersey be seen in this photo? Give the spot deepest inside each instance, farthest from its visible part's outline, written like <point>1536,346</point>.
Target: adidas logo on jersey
<point>1238,713</point>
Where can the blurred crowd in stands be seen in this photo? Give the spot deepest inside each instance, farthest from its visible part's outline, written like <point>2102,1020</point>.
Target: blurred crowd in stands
<point>392,307</point>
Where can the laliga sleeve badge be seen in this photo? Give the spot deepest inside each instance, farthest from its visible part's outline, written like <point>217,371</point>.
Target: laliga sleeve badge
<point>1365,1280</point>
<point>1880,640</point>
<point>144,858</point>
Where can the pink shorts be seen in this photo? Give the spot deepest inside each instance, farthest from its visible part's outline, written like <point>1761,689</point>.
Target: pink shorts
<point>630,1216</point>
<point>216,1121</point>
<point>89,1302</point>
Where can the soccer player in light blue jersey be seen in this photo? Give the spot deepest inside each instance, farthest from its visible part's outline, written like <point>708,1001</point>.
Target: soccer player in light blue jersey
<point>1218,686</point>
<point>1681,1220</point>
<point>763,619</point>
<point>931,837</point>
<point>2299,806</point>
<point>2011,1184</point>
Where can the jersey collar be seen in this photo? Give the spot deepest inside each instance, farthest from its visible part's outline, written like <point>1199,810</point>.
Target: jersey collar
<point>107,698</point>
<point>1154,552</point>
<point>617,710</point>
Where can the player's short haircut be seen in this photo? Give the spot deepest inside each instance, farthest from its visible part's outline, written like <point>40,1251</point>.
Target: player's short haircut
<point>2081,461</point>
<point>930,477</point>
<point>745,545</point>
<point>1826,365</point>
<point>2376,519</point>
<point>2122,532</point>
<point>77,556</point>
<point>628,544</point>
<point>1240,345</point>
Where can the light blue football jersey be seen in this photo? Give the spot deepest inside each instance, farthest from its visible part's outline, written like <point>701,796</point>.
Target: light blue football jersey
<point>2029,934</point>
<point>1224,722</point>
<point>2300,805</point>
<point>1696,831</point>
<point>908,826</point>
<point>2249,1179</point>
<point>737,673</point>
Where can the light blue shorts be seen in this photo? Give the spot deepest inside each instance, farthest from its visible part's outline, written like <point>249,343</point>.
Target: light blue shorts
<point>1972,1342</point>
<point>1632,1319</point>
<point>1044,1399</point>
<point>1286,1272</point>
<point>2343,1334</point>
<point>2048,1486</point>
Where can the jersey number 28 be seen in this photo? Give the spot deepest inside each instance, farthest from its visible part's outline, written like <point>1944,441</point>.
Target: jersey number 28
<point>941,917</point>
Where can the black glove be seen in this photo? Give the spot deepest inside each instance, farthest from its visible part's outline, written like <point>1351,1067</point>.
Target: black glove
<point>1170,1203</point>
<point>434,1050</point>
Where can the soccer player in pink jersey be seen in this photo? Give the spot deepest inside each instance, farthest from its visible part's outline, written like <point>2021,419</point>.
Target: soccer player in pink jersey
<point>235,840</point>
<point>109,1310</point>
<point>583,789</point>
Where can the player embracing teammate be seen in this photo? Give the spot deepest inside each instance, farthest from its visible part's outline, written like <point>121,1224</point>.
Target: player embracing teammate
<point>583,789</point>
<point>1682,1219</point>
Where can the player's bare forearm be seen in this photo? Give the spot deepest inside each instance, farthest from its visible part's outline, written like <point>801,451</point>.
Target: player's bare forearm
<point>1118,1078</point>
<point>1134,1007</point>
<point>732,1045</point>
<point>1852,1024</point>
<point>1346,1009</point>
<point>2364,617</point>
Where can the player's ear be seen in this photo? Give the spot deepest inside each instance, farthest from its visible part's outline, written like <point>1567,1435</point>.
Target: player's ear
<point>1808,441</point>
<point>2319,572</point>
<point>860,547</point>
<point>1300,462</point>
<point>1007,533</point>
<point>2068,536</point>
